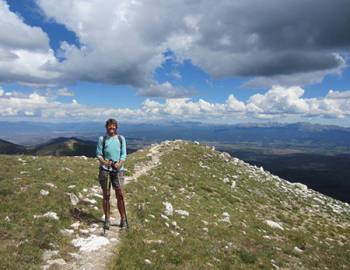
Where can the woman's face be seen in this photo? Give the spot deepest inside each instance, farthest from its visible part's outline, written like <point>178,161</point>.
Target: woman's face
<point>111,129</point>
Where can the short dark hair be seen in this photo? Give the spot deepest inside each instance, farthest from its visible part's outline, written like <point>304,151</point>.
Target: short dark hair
<point>111,121</point>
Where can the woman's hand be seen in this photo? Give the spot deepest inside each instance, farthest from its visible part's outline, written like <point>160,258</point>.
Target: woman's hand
<point>105,162</point>
<point>116,166</point>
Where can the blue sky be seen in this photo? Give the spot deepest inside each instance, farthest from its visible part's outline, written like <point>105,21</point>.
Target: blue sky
<point>171,62</point>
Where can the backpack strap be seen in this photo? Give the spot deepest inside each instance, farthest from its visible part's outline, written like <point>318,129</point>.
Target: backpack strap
<point>103,146</point>
<point>120,143</point>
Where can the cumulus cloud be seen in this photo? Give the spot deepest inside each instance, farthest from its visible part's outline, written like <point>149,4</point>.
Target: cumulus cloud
<point>123,42</point>
<point>338,95</point>
<point>279,100</point>
<point>269,41</point>
<point>24,51</point>
<point>270,38</point>
<point>300,78</point>
<point>38,106</point>
<point>15,34</point>
<point>166,90</point>
<point>65,92</point>
<point>276,103</point>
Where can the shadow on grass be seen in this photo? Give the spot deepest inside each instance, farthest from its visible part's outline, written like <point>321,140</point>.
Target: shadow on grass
<point>84,216</point>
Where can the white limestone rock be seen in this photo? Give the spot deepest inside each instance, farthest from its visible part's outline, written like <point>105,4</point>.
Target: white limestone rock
<point>147,261</point>
<point>74,200</point>
<point>226,180</point>
<point>48,254</point>
<point>66,232</point>
<point>75,225</point>
<point>297,250</point>
<point>300,186</point>
<point>51,185</point>
<point>182,212</point>
<point>168,208</point>
<point>49,215</point>
<point>91,243</point>
<point>87,200</point>
<point>274,224</point>
<point>44,192</point>
<point>233,185</point>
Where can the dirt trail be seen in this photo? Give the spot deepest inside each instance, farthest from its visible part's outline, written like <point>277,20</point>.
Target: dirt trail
<point>98,259</point>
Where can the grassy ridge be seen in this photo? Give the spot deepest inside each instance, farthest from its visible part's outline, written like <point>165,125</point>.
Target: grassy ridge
<point>314,237</point>
<point>24,238</point>
<point>192,178</point>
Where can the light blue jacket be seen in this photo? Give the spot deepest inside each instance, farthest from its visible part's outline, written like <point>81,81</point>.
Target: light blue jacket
<point>112,148</point>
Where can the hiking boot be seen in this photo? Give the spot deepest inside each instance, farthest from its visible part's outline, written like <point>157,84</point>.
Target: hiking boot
<point>124,224</point>
<point>106,224</point>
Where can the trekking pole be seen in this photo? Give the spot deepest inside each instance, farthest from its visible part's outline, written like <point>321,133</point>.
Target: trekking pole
<point>106,190</point>
<point>107,187</point>
<point>126,217</point>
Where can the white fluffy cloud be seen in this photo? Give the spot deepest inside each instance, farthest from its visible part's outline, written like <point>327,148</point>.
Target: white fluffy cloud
<point>271,42</point>
<point>123,42</point>
<point>15,34</point>
<point>24,51</point>
<point>276,103</point>
<point>279,100</point>
<point>42,107</point>
<point>165,89</point>
<point>65,92</point>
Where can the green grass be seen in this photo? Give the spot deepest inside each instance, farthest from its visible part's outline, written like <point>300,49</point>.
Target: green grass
<point>24,238</point>
<point>198,241</point>
<point>238,245</point>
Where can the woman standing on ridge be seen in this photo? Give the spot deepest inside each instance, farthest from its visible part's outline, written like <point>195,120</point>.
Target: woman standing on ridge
<point>111,153</point>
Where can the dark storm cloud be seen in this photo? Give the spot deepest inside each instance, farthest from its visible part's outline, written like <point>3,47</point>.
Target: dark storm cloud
<point>266,38</point>
<point>288,63</point>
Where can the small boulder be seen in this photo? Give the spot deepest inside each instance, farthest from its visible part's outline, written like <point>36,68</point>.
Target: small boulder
<point>182,212</point>
<point>147,261</point>
<point>297,250</point>
<point>74,200</point>
<point>274,224</point>
<point>44,192</point>
<point>300,186</point>
<point>168,208</point>
<point>233,184</point>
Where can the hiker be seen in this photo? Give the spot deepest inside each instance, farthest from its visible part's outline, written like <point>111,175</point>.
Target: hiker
<point>111,153</point>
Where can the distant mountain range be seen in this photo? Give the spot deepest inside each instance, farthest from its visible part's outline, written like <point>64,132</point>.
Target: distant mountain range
<point>11,148</point>
<point>67,147</point>
<point>268,134</point>
<point>55,147</point>
<point>313,154</point>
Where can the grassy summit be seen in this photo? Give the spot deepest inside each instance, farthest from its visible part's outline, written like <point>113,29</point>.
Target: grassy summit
<point>232,216</point>
<point>199,209</point>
